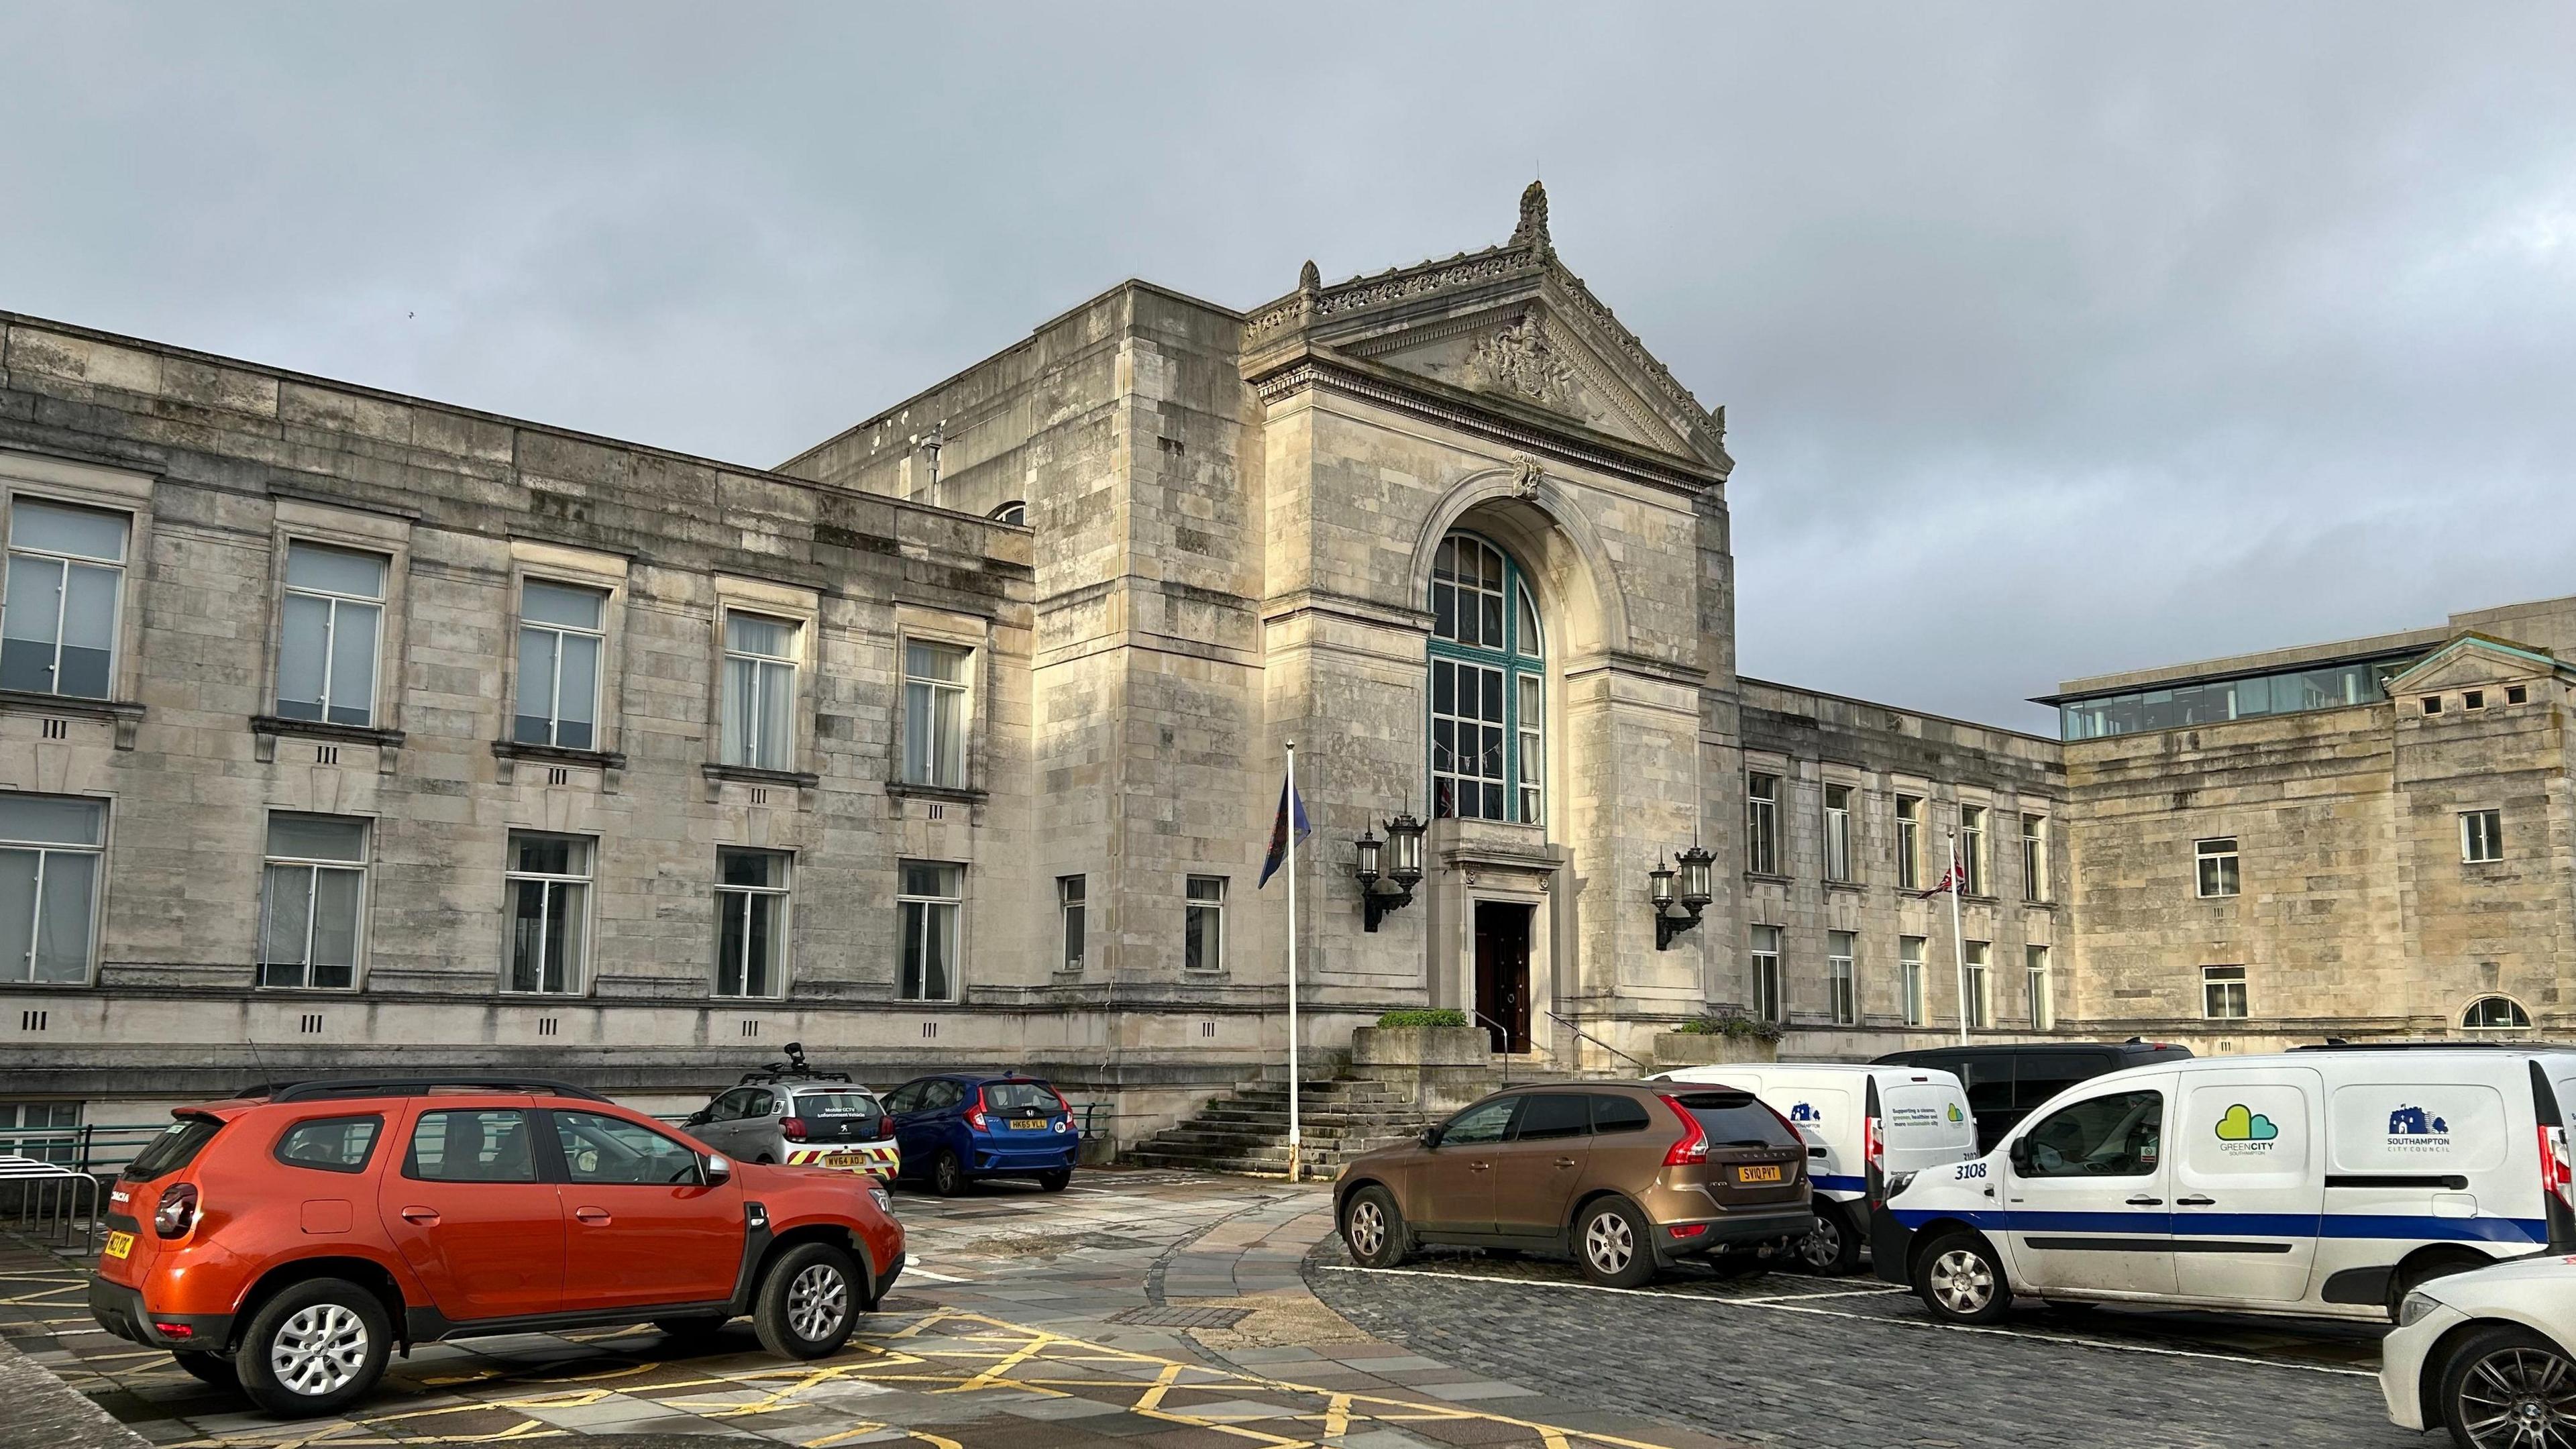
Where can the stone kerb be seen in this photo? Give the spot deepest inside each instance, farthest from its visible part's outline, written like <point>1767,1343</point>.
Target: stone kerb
<point>1441,1067</point>
<point>1710,1049</point>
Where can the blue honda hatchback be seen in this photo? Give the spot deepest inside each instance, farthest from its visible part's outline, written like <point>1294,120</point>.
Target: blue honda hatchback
<point>956,1129</point>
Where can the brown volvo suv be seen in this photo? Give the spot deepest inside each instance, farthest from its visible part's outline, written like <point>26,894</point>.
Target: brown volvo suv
<point>1628,1177</point>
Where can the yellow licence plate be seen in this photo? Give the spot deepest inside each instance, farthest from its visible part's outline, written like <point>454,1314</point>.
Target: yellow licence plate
<point>1757,1174</point>
<point>843,1159</point>
<point>1022,1126</point>
<point>118,1245</point>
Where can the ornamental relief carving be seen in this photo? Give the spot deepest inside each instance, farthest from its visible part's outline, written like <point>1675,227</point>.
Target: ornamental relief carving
<point>1520,359</point>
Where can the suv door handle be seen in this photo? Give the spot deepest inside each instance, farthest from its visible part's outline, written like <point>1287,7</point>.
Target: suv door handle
<point>2195,1202</point>
<point>1478,1166</point>
<point>596,1217</point>
<point>425,1217</point>
<point>1565,1162</point>
<point>2146,1202</point>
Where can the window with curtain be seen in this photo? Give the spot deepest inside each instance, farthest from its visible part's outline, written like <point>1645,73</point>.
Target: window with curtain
<point>313,901</point>
<point>751,922</point>
<point>49,867</point>
<point>549,883</point>
<point>331,623</point>
<point>560,643</point>
<point>58,614</point>
<point>1488,687</point>
<point>927,904</point>
<point>759,692</point>
<point>935,713</point>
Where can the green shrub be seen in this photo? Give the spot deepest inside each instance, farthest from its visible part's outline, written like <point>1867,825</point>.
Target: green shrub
<point>1443,1017</point>
<point>1739,1027</point>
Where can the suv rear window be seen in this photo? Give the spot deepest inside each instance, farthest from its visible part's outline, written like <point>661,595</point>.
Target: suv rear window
<point>836,1104</point>
<point>173,1149</point>
<point>1018,1096</point>
<point>1732,1119</point>
<point>334,1144</point>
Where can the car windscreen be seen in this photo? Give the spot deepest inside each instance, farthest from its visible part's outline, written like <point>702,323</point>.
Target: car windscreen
<point>1732,1119</point>
<point>175,1148</point>
<point>836,1104</point>
<point>1018,1096</point>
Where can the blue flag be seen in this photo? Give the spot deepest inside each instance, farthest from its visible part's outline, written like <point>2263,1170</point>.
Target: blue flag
<point>1292,806</point>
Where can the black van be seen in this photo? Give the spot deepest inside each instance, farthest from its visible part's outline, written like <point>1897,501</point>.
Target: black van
<point>2007,1079</point>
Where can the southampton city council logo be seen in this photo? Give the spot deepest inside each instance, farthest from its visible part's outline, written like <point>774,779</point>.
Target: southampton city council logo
<point>2242,1130</point>
<point>1804,1112</point>
<point>2412,1129</point>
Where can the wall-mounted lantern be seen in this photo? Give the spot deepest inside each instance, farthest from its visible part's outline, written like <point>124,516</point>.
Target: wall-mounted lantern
<point>1695,895</point>
<point>1401,855</point>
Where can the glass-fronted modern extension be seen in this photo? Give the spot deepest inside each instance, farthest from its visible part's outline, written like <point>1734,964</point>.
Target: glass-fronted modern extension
<point>2331,685</point>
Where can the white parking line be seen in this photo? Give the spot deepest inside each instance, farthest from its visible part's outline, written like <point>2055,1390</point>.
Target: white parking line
<point>1838,1293</point>
<point>915,1270</point>
<point>1782,1306</point>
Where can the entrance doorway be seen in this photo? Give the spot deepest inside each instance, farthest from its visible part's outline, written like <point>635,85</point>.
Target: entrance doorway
<point>1503,973</point>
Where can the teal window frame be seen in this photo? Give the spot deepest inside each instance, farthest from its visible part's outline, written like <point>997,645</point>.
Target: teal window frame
<point>1523,799</point>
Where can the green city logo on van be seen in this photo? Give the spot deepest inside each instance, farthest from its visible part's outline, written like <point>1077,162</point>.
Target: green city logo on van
<point>2237,1124</point>
<point>1954,1113</point>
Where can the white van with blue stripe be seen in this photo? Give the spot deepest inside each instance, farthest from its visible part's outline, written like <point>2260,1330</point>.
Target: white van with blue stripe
<point>1858,1122</point>
<point>2327,1181</point>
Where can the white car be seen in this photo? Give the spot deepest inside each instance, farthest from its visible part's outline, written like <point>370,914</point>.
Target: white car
<point>2487,1354</point>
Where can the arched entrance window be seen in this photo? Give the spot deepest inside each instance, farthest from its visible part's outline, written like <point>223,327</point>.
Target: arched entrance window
<point>1488,686</point>
<point>2495,1013</point>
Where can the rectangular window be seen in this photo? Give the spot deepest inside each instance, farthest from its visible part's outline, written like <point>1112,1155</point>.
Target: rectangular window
<point>2516,694</point>
<point>2217,866</point>
<point>935,714</point>
<point>1466,740</point>
<point>560,645</point>
<point>2222,993</point>
<point>2474,699</point>
<point>751,922</point>
<point>2034,857</point>
<point>1766,974</point>
<point>44,1131</point>
<point>313,901</point>
<point>1762,824</point>
<point>1203,924</point>
<point>1071,906</point>
<point>2432,704</point>
<point>58,614</point>
<point>759,692</point>
<point>1909,842</point>
<point>1981,991</point>
<point>49,868</point>
<point>928,906</point>
<point>549,889</point>
<point>1533,744</point>
<point>330,624</point>
<point>2043,988</point>
<point>1838,799</point>
<point>1972,850</point>
<point>1909,963</point>
<point>2481,835</point>
<point>1839,983</point>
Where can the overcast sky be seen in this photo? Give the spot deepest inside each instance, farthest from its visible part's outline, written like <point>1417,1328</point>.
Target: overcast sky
<point>2052,343</point>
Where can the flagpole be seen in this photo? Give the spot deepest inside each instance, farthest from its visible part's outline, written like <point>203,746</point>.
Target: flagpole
<point>1290,805</point>
<point>1958,938</point>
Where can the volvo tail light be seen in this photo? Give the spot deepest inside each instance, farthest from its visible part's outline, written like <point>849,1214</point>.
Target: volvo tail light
<point>1693,1148</point>
<point>976,1116</point>
<point>178,1210</point>
<point>792,1128</point>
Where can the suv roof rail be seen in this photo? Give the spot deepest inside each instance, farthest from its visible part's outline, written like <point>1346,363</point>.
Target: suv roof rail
<point>413,1087</point>
<point>772,1075</point>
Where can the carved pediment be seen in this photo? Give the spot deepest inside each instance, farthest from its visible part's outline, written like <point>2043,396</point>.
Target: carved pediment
<point>2469,661</point>
<point>1526,354</point>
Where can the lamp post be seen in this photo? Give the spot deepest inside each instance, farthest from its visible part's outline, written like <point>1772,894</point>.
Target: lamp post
<point>1694,897</point>
<point>1401,855</point>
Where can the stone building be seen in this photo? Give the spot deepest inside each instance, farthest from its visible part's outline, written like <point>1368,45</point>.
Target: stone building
<point>2370,838</point>
<point>340,729</point>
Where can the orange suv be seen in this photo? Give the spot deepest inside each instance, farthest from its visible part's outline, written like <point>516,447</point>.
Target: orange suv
<point>291,1238</point>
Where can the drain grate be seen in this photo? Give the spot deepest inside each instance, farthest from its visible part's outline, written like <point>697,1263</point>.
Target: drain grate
<point>1166,1317</point>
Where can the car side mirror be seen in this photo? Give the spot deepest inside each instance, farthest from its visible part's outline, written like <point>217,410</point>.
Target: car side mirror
<point>717,1170</point>
<point>1431,1136</point>
<point>2019,1152</point>
<point>697,1118</point>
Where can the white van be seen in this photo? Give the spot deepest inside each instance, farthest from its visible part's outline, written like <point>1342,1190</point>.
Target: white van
<point>1857,1120</point>
<point>2327,1181</point>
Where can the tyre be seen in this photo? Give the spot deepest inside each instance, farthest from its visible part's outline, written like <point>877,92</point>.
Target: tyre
<point>947,1174</point>
<point>1373,1229</point>
<point>692,1330</point>
<point>1961,1280</point>
<point>1833,1249</point>
<point>1056,1181</point>
<point>1613,1244</point>
<point>2506,1385</point>
<point>2417,1272</point>
<point>313,1349</point>
<point>209,1368</point>
<point>809,1302</point>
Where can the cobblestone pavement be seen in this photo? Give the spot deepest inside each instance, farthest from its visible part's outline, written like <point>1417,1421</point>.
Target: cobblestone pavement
<point>1136,1311</point>
<point>1853,1363</point>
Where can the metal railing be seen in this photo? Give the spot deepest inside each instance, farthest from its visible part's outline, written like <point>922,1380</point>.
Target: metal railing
<point>1642,1068</point>
<point>1506,1052</point>
<point>53,1202</point>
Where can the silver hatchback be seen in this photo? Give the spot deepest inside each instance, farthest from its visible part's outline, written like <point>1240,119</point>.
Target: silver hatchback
<point>820,1123</point>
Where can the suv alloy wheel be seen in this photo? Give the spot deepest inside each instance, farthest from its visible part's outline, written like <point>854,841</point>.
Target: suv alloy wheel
<point>1373,1228</point>
<point>1614,1245</point>
<point>313,1349</point>
<point>809,1301</point>
<point>1961,1280</point>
